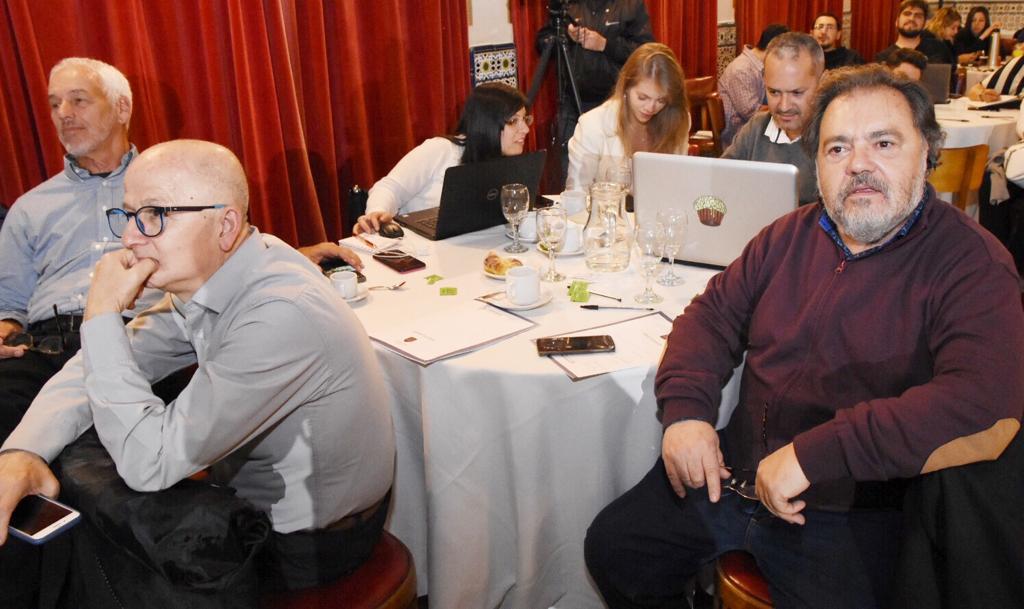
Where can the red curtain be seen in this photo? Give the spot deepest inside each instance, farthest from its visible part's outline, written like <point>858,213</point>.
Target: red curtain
<point>872,26</point>
<point>312,96</point>
<point>753,15</point>
<point>688,26</point>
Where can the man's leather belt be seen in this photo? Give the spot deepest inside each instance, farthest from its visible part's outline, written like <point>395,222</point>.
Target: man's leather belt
<point>68,323</point>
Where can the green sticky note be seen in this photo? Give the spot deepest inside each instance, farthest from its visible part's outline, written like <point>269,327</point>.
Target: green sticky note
<point>432,279</point>
<point>579,291</point>
<point>449,291</point>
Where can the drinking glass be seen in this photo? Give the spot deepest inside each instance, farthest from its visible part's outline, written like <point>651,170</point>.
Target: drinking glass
<point>621,173</point>
<point>515,202</point>
<point>551,234</point>
<point>649,240</point>
<point>674,221</point>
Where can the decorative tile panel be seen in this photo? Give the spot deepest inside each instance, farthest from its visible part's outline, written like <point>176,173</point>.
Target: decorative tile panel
<point>494,62</point>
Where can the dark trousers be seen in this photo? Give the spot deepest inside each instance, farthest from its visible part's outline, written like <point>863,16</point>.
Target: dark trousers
<point>21,378</point>
<point>305,559</point>
<point>645,546</point>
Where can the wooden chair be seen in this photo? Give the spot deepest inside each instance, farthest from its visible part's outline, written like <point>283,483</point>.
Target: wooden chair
<point>740,584</point>
<point>386,581</point>
<point>697,92</point>
<point>960,172</point>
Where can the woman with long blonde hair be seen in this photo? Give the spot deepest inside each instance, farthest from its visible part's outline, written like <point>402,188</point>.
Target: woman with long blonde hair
<point>648,111</point>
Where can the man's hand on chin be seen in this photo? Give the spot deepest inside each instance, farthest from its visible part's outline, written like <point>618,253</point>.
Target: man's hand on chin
<point>117,281</point>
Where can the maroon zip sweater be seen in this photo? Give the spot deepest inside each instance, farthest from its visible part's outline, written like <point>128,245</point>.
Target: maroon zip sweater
<point>904,361</point>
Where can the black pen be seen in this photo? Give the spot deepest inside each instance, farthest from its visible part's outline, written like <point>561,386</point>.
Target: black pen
<point>596,307</point>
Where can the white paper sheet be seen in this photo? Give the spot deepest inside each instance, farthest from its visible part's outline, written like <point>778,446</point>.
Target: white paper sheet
<point>638,342</point>
<point>460,328</point>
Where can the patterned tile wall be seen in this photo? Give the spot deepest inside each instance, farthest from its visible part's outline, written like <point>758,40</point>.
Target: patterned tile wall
<point>495,62</point>
<point>1009,14</point>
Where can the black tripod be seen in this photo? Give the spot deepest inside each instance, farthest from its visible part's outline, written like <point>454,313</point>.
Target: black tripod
<point>559,43</point>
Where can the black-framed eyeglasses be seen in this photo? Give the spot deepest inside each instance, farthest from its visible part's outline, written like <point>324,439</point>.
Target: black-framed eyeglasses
<point>516,119</point>
<point>148,219</point>
<point>49,345</point>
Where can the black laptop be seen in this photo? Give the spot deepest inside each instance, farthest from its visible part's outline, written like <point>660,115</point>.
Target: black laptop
<point>471,196</point>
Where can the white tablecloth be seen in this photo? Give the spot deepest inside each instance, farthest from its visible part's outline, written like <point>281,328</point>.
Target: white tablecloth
<point>502,460</point>
<point>997,129</point>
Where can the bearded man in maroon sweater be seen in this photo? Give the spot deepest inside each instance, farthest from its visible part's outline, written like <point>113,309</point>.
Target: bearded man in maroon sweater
<point>884,344</point>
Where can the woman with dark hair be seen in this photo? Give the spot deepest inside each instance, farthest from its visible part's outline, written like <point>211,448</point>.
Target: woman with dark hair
<point>494,123</point>
<point>647,111</point>
<point>972,41</point>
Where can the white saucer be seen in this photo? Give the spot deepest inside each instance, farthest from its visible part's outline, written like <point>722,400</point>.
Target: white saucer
<point>361,293</point>
<point>494,275</point>
<point>508,233</point>
<point>500,301</point>
<point>575,252</point>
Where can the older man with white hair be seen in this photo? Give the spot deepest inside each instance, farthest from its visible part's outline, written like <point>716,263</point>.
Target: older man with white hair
<point>287,405</point>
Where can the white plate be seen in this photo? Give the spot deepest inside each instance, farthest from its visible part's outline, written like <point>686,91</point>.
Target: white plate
<point>494,275</point>
<point>361,293</point>
<point>500,300</point>
<point>508,233</point>
<point>575,252</point>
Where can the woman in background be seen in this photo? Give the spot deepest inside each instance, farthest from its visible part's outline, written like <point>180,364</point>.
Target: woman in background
<point>648,111</point>
<point>972,41</point>
<point>945,25</point>
<point>494,123</point>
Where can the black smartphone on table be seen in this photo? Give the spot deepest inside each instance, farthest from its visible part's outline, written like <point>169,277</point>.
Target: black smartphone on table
<point>37,519</point>
<point>400,264</point>
<point>568,345</point>
<point>336,265</point>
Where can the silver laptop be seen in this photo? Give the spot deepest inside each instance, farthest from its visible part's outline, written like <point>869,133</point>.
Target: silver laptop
<point>727,202</point>
<point>936,80</point>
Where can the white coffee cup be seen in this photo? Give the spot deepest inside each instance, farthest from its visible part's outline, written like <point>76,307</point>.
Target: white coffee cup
<point>528,226</point>
<point>573,237</point>
<point>574,201</point>
<point>346,283</point>
<point>522,285</point>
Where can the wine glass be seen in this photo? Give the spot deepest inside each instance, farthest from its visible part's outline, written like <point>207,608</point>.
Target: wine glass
<point>650,240</point>
<point>515,202</point>
<point>551,233</point>
<point>674,221</point>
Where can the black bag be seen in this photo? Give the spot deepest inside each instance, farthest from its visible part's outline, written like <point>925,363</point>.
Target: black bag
<point>193,545</point>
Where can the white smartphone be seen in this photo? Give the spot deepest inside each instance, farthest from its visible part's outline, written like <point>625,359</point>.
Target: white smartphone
<point>37,519</point>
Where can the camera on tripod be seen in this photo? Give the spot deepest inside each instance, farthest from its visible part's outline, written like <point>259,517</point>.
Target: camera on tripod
<point>560,9</point>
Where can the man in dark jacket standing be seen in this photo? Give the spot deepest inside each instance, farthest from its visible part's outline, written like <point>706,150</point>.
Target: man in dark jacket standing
<point>884,343</point>
<point>602,34</point>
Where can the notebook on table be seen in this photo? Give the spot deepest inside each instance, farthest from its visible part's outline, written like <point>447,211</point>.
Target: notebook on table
<point>471,196</point>
<point>727,202</point>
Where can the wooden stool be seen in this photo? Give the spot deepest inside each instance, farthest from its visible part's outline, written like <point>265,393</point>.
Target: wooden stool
<point>740,584</point>
<point>387,580</point>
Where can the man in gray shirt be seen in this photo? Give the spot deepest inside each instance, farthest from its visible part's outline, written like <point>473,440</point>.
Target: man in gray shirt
<point>56,233</point>
<point>793,66</point>
<point>287,406</point>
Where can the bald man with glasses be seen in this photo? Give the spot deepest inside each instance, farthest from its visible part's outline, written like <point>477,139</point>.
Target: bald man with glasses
<point>287,405</point>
